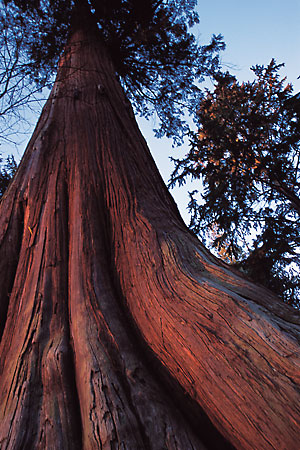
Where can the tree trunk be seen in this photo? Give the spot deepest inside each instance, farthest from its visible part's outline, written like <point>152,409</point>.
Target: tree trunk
<point>120,330</point>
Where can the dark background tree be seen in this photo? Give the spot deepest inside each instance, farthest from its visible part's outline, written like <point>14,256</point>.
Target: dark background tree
<point>7,171</point>
<point>247,155</point>
<point>118,328</point>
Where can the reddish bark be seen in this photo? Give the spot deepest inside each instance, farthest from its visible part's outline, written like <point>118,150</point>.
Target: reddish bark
<point>119,329</point>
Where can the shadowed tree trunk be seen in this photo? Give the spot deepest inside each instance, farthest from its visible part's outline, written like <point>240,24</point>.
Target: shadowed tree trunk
<point>119,330</point>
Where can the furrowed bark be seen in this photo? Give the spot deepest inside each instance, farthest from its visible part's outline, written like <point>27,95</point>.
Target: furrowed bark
<point>115,308</point>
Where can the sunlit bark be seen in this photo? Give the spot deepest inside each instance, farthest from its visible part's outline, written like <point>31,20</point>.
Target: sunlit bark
<point>119,329</point>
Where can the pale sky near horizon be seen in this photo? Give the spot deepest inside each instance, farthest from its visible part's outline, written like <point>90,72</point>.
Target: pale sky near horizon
<point>254,33</point>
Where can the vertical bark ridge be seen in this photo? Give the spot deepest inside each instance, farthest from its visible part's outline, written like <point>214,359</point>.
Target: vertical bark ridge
<point>36,392</point>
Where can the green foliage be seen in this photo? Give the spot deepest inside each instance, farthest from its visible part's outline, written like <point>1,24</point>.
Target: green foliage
<point>7,171</point>
<point>155,55</point>
<point>246,153</point>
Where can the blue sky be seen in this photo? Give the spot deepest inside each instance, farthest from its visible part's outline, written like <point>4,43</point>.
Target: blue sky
<point>254,32</point>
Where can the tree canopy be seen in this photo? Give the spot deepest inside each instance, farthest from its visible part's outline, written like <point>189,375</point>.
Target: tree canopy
<point>247,153</point>
<point>155,55</point>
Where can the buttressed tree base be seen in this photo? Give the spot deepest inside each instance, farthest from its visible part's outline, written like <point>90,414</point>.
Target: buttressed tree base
<point>119,329</point>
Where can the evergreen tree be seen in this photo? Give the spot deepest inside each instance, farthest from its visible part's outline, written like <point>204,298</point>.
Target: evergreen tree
<point>247,155</point>
<point>7,171</point>
<point>118,328</point>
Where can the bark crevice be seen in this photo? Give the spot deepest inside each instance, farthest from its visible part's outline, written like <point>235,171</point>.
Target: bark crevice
<point>10,247</point>
<point>70,367</point>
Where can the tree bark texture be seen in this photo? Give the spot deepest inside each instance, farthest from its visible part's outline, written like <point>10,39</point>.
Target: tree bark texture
<point>119,329</point>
